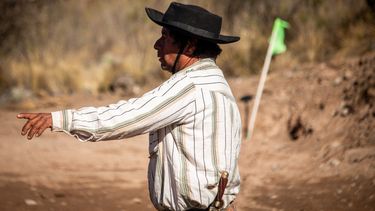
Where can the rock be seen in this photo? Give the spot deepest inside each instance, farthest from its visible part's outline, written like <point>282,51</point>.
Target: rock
<point>136,201</point>
<point>30,202</point>
<point>335,144</point>
<point>337,81</point>
<point>345,109</point>
<point>335,113</point>
<point>348,74</point>
<point>334,162</point>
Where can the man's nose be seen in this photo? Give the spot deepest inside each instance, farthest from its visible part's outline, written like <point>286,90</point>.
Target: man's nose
<point>157,44</point>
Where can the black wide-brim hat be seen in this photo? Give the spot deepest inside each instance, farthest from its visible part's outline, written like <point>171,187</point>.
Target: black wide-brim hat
<point>192,20</point>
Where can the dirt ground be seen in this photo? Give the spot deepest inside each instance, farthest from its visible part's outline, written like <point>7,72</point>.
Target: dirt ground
<point>313,149</point>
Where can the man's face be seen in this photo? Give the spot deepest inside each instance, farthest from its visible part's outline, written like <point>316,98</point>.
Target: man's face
<point>167,50</point>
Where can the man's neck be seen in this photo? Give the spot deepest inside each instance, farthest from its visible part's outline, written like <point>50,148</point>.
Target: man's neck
<point>185,61</point>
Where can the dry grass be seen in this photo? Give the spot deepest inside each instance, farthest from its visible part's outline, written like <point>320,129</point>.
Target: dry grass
<point>60,47</point>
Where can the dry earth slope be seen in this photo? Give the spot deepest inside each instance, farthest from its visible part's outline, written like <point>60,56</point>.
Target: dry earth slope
<point>314,141</point>
<point>313,149</point>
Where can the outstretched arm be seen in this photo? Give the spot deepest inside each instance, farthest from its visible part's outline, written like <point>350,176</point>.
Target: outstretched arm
<point>169,103</point>
<point>36,123</point>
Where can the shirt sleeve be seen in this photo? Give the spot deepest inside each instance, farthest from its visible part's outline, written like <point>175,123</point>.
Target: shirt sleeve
<point>173,101</point>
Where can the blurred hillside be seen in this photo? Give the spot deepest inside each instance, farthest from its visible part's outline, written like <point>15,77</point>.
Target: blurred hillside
<point>62,47</point>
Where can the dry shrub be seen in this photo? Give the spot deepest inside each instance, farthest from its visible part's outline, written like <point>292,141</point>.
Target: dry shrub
<point>60,47</point>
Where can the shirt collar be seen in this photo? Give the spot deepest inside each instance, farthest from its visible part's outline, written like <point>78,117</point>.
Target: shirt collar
<point>194,66</point>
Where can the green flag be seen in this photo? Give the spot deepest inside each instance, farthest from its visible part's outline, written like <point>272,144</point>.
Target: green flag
<point>279,35</point>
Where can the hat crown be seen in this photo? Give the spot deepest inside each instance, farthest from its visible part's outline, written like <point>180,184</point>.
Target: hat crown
<point>193,16</point>
<point>193,21</point>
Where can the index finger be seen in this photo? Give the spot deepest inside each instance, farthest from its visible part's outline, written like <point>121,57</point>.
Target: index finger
<point>26,115</point>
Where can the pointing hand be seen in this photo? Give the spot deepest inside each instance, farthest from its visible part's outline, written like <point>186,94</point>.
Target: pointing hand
<point>36,123</point>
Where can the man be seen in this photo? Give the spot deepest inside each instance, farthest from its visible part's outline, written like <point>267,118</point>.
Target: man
<point>192,118</point>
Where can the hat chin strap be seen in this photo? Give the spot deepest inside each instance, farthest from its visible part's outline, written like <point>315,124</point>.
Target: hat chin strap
<point>183,45</point>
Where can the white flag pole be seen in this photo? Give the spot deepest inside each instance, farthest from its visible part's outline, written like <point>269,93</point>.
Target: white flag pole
<point>262,81</point>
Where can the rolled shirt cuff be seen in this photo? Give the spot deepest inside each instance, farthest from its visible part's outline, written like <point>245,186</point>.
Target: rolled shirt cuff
<point>62,120</point>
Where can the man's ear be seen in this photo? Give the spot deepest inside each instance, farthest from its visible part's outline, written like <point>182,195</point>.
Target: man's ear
<point>190,47</point>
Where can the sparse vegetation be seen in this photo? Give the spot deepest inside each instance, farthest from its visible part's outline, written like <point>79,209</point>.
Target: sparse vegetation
<point>60,47</point>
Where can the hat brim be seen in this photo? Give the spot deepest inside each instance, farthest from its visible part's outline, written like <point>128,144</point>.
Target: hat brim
<point>157,17</point>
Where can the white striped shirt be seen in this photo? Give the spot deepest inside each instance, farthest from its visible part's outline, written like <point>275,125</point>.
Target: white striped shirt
<point>194,125</point>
